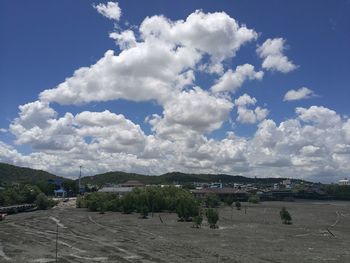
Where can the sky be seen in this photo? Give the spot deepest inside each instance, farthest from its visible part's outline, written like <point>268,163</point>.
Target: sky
<point>252,88</point>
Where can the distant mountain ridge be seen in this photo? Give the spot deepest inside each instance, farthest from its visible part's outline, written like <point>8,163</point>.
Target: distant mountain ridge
<point>173,177</point>
<point>14,174</point>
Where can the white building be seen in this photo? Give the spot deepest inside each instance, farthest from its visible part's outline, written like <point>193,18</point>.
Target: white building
<point>287,183</point>
<point>344,182</point>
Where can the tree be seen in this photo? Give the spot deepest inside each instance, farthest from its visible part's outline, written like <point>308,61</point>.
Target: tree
<point>285,216</point>
<point>128,203</point>
<point>254,199</point>
<point>213,217</point>
<point>186,207</point>
<point>229,200</point>
<point>211,201</point>
<point>42,202</point>
<point>29,194</point>
<point>93,201</point>
<point>238,205</point>
<point>80,202</point>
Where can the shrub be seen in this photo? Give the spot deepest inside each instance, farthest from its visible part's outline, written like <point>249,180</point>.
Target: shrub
<point>238,205</point>
<point>211,201</point>
<point>186,207</point>
<point>128,203</point>
<point>254,199</point>
<point>80,202</point>
<point>102,208</point>
<point>213,217</point>
<point>42,202</point>
<point>229,200</point>
<point>114,205</point>
<point>197,220</point>
<point>285,216</point>
<point>144,212</point>
<point>29,194</point>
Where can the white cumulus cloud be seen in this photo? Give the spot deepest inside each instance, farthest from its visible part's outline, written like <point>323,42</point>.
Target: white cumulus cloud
<point>111,10</point>
<point>272,53</point>
<point>246,115</point>
<point>232,80</point>
<point>299,94</point>
<point>161,61</point>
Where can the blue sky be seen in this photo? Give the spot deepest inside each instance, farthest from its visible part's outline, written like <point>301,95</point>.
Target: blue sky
<point>45,42</point>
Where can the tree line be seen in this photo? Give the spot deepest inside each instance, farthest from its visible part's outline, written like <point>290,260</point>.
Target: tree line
<point>26,194</point>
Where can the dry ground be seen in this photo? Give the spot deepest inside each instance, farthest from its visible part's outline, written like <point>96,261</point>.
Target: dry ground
<point>257,236</point>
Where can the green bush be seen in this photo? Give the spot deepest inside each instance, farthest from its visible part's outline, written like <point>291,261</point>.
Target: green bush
<point>155,199</point>
<point>97,201</point>
<point>340,192</point>
<point>42,202</point>
<point>128,203</point>
<point>285,216</point>
<point>15,195</point>
<point>114,205</point>
<point>197,220</point>
<point>80,202</point>
<point>254,199</point>
<point>29,194</point>
<point>229,200</point>
<point>186,207</point>
<point>212,217</point>
<point>238,205</point>
<point>212,201</point>
<point>144,212</point>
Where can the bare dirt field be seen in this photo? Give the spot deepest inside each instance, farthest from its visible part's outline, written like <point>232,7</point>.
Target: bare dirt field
<point>257,236</point>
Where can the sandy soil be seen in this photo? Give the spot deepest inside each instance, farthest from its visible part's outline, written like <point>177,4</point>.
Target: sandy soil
<point>257,236</point>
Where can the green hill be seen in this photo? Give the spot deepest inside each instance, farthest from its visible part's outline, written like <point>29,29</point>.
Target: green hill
<point>14,174</point>
<point>171,178</point>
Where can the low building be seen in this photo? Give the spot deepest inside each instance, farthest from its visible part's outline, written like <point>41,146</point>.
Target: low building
<point>277,196</point>
<point>60,193</point>
<point>222,193</point>
<point>120,191</point>
<point>216,185</point>
<point>132,183</point>
<point>344,181</point>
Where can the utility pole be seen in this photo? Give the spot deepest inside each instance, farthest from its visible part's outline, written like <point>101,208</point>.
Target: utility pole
<point>79,178</point>
<point>56,242</point>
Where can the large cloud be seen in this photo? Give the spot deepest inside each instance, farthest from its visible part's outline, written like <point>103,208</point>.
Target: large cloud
<point>146,72</point>
<point>216,34</point>
<point>105,130</point>
<point>157,65</point>
<point>315,143</point>
<point>190,112</point>
<point>160,62</point>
